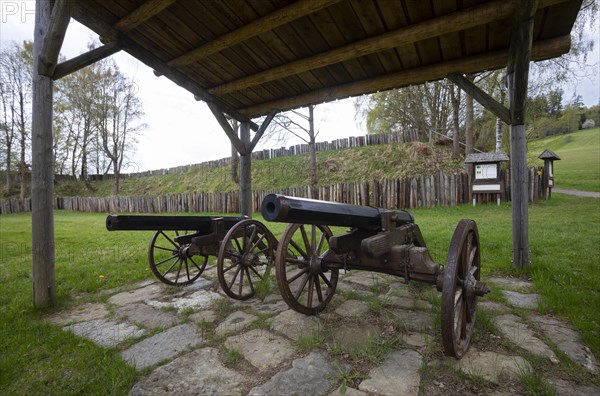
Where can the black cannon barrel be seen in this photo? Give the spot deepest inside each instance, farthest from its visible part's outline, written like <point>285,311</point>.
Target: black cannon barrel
<point>201,224</point>
<point>280,208</point>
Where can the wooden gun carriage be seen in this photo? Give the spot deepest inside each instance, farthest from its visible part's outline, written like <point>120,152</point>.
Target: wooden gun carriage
<point>179,250</point>
<point>309,258</point>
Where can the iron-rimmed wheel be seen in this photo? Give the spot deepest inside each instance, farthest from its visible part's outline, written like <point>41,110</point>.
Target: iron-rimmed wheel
<point>459,294</point>
<point>245,258</point>
<point>303,279</point>
<point>171,262</point>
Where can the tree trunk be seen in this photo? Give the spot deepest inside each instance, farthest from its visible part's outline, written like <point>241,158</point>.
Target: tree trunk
<point>117,179</point>
<point>469,127</point>
<point>312,154</point>
<point>23,147</point>
<point>455,124</point>
<point>8,159</point>
<point>498,120</point>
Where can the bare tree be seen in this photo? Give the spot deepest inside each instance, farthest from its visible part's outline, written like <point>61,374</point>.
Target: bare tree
<point>455,95</point>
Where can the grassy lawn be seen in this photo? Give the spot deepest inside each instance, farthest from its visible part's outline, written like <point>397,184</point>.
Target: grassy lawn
<point>579,167</point>
<point>41,358</point>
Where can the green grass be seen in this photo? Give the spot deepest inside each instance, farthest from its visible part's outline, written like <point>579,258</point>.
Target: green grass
<point>41,358</point>
<point>579,167</point>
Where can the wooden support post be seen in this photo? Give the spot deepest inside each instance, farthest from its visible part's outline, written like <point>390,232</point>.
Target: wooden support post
<point>517,74</point>
<point>246,172</point>
<point>42,169</point>
<point>54,34</point>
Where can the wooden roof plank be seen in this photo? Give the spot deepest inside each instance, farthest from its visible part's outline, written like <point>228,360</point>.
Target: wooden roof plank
<point>264,24</point>
<point>144,12</point>
<point>404,36</point>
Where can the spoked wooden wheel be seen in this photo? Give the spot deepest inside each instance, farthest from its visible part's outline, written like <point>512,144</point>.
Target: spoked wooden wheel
<point>171,261</point>
<point>245,258</point>
<point>461,289</point>
<point>303,279</point>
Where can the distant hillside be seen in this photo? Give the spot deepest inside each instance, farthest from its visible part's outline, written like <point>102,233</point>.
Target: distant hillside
<point>373,162</point>
<point>579,167</point>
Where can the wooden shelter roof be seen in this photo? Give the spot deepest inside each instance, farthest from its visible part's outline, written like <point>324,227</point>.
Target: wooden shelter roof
<point>249,57</point>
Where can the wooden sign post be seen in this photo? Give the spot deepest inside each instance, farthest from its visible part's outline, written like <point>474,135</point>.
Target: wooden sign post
<point>548,176</point>
<point>486,175</point>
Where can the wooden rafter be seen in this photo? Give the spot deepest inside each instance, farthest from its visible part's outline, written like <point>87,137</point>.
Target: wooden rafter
<point>222,120</point>
<point>54,37</point>
<point>264,24</point>
<point>453,22</point>
<point>144,12</point>
<point>489,61</point>
<point>79,62</point>
<point>482,97</point>
<point>95,21</point>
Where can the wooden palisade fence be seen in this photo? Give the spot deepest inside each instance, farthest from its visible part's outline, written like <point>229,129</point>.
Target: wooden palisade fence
<point>424,191</point>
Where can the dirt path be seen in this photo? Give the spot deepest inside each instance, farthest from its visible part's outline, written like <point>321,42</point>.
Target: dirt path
<point>577,193</point>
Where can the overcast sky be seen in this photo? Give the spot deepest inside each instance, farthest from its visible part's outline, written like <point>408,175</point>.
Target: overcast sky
<point>183,131</point>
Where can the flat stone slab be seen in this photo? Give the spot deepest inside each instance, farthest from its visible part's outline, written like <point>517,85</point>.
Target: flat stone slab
<point>197,373</point>
<point>144,315</point>
<point>522,300</point>
<point>406,302</point>
<point>350,338</point>
<point>366,279</point>
<point>518,333</point>
<point>207,316</point>
<point>350,308</point>
<point>415,321</point>
<point>351,287</point>
<point>418,340</point>
<point>107,333</point>
<point>567,340</point>
<point>198,300</point>
<point>399,289</point>
<point>199,284</point>
<point>491,365</point>
<point>567,388</point>
<point>293,324</point>
<point>137,295</point>
<point>509,282</point>
<point>263,349</point>
<point>80,313</point>
<point>310,375</point>
<point>235,323</point>
<point>162,346</point>
<point>348,392</point>
<point>397,375</point>
<point>493,306</point>
<point>272,306</point>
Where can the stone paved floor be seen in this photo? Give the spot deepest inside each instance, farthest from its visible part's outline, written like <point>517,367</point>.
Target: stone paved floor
<point>378,336</point>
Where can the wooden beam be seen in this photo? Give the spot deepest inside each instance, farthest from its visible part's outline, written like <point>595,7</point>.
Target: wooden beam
<point>453,22</point>
<point>261,25</point>
<point>94,19</point>
<point>489,61</point>
<point>235,140</point>
<point>261,130</point>
<point>54,37</point>
<point>517,75</point>
<point>79,62</point>
<point>144,12</point>
<point>482,97</point>
<point>42,167</point>
<point>245,172</point>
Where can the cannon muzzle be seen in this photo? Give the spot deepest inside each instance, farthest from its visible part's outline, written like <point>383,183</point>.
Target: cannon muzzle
<point>279,208</point>
<point>200,224</point>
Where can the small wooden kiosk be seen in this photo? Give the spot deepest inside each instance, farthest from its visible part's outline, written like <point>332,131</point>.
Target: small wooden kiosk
<point>486,176</point>
<point>548,174</point>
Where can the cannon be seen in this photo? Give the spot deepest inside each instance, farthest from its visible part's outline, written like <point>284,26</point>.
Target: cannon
<point>309,258</point>
<point>181,245</point>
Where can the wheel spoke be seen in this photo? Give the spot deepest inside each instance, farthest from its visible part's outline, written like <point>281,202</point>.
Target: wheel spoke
<point>256,272</point>
<point>235,263</point>
<point>249,280</point>
<point>306,241</point>
<point>187,270</point>
<point>239,248</point>
<point>326,280</point>
<point>320,244</point>
<point>311,286</point>
<point>297,275</point>
<point>166,249</point>
<point>259,240</point>
<point>171,267</point>
<point>235,277</point>
<point>318,289</point>
<point>196,265</point>
<point>252,236</point>
<point>241,281</point>
<point>169,239</point>
<point>301,286</point>
<point>179,270</point>
<point>313,239</point>
<point>165,260</point>
<point>299,250</point>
